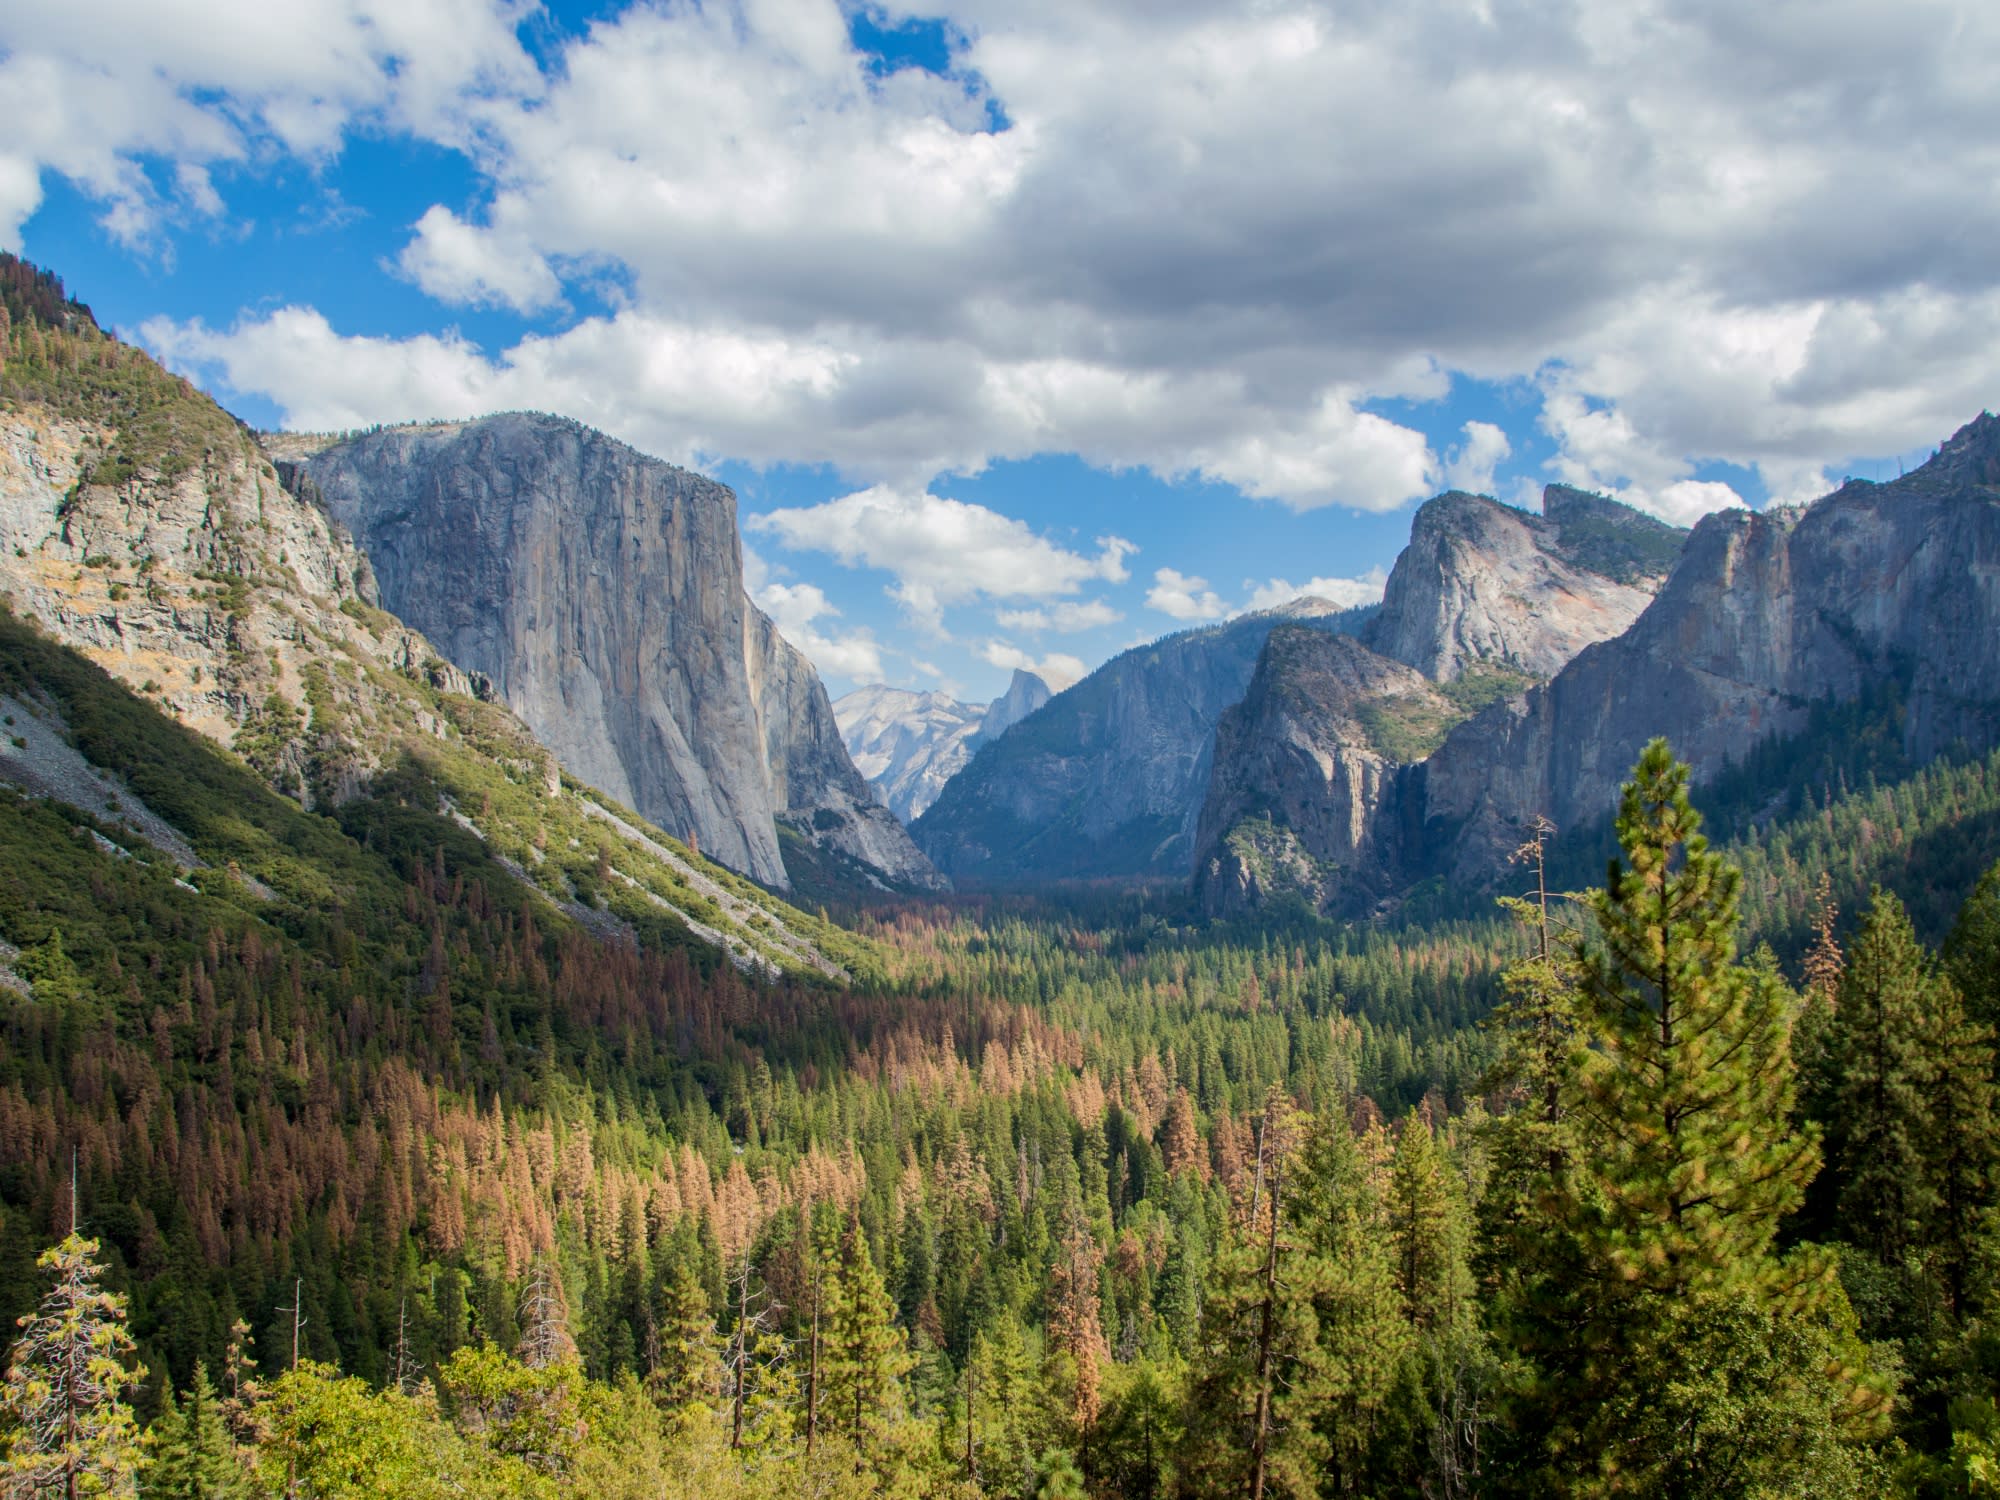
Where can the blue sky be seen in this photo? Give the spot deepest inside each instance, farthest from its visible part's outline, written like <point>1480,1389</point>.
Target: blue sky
<point>1029,329</point>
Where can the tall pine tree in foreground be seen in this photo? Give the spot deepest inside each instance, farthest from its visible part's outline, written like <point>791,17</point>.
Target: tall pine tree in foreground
<point>1695,1358</point>
<point>70,1433</point>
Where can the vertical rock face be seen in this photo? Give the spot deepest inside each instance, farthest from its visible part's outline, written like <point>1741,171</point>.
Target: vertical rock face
<point>1481,582</point>
<point>910,744</point>
<point>1306,772</point>
<point>601,591</point>
<point>1765,615</point>
<point>1306,797</point>
<point>1107,779</point>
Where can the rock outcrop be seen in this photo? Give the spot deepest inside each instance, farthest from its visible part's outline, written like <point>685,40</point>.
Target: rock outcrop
<point>1107,779</point>
<point>1765,615</point>
<point>909,744</point>
<point>1306,773</point>
<point>1307,792</point>
<point>601,592</point>
<point>1482,583</point>
<point>195,573</point>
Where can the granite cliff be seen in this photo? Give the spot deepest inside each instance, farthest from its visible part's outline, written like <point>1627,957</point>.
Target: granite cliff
<point>1482,583</point>
<point>601,592</point>
<point>1107,779</point>
<point>1766,616</point>
<point>1306,794</point>
<point>909,744</point>
<point>1306,772</point>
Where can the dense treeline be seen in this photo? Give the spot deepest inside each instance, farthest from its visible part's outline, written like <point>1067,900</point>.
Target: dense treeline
<point>1043,1206</point>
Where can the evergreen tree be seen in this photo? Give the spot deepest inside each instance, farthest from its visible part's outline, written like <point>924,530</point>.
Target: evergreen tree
<point>1911,1115</point>
<point>1879,1109</point>
<point>1688,1162</point>
<point>1972,951</point>
<point>687,1374</point>
<point>1362,1339</point>
<point>189,1452</point>
<point>69,1431</point>
<point>863,1360</point>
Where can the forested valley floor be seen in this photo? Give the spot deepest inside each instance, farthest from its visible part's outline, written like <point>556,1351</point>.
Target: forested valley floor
<point>345,1166</point>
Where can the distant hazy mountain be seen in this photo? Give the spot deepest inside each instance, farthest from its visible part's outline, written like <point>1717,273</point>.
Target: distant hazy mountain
<point>909,744</point>
<point>1107,779</point>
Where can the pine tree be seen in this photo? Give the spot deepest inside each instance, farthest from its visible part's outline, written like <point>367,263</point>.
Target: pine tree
<point>189,1452</point>
<point>863,1360</point>
<point>1911,1116</point>
<point>1427,1218</point>
<point>1880,1106</point>
<point>1972,951</point>
<point>70,1432</point>
<point>687,1379</point>
<point>1684,1320</point>
<point>1362,1338</point>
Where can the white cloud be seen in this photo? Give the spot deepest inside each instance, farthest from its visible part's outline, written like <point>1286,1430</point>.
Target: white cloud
<point>1065,618</point>
<point>1057,669</point>
<point>456,262</point>
<point>1183,597</point>
<point>794,608</point>
<point>941,551</point>
<point>93,89</point>
<point>1650,205</point>
<point>1348,593</point>
<point>1470,466</point>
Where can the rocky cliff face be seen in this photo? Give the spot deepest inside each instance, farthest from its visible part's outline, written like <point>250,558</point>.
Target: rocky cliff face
<point>205,577</point>
<point>601,592</point>
<point>909,744</point>
<point>1307,791</point>
<point>1764,616</point>
<point>1483,583</point>
<point>1306,772</point>
<point>1108,778</point>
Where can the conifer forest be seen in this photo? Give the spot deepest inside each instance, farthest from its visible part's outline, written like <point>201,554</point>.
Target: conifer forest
<point>347,1169</point>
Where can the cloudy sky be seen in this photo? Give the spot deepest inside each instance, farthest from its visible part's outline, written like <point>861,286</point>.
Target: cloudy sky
<point>1028,329</point>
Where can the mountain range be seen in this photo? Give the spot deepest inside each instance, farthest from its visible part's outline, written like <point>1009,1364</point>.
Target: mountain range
<point>327,606</point>
<point>909,744</point>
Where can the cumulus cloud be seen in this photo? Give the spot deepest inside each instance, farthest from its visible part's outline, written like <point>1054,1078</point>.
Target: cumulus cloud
<point>95,89</point>
<point>1065,618</point>
<point>1056,669</point>
<point>1470,466</point>
<point>455,262</point>
<point>794,609</point>
<point>1348,593</point>
<point>1183,597</point>
<point>1095,234</point>
<point>941,551</point>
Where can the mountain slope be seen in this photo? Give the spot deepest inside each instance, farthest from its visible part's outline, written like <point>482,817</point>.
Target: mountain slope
<point>1304,768</point>
<point>602,593</point>
<point>1765,616</point>
<point>908,744</point>
<point>1107,779</point>
<point>143,527</point>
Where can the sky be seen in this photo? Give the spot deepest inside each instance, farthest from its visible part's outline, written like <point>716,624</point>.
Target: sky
<point>1029,330</point>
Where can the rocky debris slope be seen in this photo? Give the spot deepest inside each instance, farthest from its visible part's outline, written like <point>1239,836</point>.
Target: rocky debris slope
<point>601,591</point>
<point>1766,615</point>
<point>1107,779</point>
<point>909,744</point>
